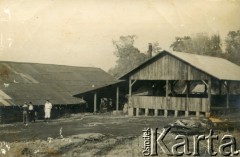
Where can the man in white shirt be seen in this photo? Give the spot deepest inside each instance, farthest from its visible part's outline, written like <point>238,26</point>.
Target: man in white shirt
<point>47,110</point>
<point>31,112</point>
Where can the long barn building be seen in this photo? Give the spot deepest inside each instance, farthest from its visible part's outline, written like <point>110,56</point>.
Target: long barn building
<point>25,82</point>
<point>176,83</point>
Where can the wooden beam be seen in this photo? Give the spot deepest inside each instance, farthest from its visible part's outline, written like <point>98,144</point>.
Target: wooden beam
<point>187,87</point>
<point>225,83</point>
<point>95,102</point>
<point>117,98</point>
<point>205,83</point>
<point>133,83</point>
<point>175,82</point>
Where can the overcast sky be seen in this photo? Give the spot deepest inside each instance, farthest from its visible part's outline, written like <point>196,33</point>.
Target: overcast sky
<point>80,32</point>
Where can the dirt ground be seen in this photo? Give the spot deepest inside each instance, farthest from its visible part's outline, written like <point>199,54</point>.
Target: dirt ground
<point>81,135</point>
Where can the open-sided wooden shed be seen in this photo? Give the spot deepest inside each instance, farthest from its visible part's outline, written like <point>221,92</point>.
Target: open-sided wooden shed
<point>164,85</point>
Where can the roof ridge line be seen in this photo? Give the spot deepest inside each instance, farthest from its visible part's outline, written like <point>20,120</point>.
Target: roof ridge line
<point>19,62</point>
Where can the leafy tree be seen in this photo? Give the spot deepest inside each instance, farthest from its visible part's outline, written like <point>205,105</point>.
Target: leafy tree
<point>199,44</point>
<point>182,44</point>
<point>232,42</point>
<point>156,48</point>
<point>215,46</point>
<point>128,55</point>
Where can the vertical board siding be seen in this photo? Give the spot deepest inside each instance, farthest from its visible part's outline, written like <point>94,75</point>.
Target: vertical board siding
<point>169,68</point>
<point>173,103</point>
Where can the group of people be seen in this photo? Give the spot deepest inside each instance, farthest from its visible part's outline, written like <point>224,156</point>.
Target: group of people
<point>29,114</point>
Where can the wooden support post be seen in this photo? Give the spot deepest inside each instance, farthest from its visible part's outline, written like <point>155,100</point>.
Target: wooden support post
<point>227,101</point>
<point>156,112</point>
<point>131,111</point>
<point>176,113</point>
<point>58,110</point>
<point>172,88</point>
<point>187,97</point>
<point>130,95</point>
<point>220,87</point>
<point>167,90</point>
<point>0,115</point>
<point>188,89</point>
<point>209,97</point>
<point>137,111</point>
<point>130,88</point>
<point>165,113</point>
<point>146,111</point>
<point>197,114</point>
<point>117,98</point>
<point>205,89</point>
<point>166,101</point>
<point>95,102</point>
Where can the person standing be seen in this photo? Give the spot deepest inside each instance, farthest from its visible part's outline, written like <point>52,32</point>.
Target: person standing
<point>47,110</point>
<point>25,114</point>
<point>31,112</point>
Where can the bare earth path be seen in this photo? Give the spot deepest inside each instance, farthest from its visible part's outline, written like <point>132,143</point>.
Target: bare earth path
<point>79,124</point>
<point>84,135</point>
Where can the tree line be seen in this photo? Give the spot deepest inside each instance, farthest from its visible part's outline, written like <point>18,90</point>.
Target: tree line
<point>129,56</point>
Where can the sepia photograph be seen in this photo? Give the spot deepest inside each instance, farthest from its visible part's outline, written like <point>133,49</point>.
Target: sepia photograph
<point>119,78</point>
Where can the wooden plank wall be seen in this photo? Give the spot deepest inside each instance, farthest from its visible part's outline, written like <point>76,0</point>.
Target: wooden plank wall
<point>169,68</point>
<point>173,103</point>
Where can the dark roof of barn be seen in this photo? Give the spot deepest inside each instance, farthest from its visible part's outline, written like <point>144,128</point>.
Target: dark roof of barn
<point>101,88</point>
<point>24,82</point>
<point>218,68</point>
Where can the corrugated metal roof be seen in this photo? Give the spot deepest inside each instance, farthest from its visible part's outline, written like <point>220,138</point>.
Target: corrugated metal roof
<point>219,68</point>
<point>37,82</point>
